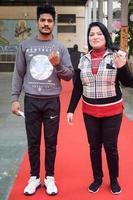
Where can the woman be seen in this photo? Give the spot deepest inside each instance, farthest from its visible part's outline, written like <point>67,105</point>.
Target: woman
<point>98,79</point>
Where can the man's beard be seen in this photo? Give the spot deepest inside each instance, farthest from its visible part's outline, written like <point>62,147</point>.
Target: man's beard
<point>45,33</point>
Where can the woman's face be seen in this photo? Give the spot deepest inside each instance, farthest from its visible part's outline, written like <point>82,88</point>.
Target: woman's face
<point>96,38</point>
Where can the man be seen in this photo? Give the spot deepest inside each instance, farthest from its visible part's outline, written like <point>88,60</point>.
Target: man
<point>41,63</point>
<point>75,57</point>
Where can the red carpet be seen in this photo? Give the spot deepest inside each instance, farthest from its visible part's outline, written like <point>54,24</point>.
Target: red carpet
<point>73,171</point>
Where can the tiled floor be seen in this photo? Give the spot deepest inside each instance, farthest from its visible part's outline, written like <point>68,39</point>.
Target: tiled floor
<point>13,137</point>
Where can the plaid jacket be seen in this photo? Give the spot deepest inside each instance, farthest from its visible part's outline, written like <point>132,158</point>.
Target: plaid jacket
<point>101,85</point>
<point>102,88</point>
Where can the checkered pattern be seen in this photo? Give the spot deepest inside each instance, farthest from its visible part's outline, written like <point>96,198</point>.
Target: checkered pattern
<point>101,85</point>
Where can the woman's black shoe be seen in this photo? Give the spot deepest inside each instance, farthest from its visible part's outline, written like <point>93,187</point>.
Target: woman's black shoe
<point>94,187</point>
<point>115,187</point>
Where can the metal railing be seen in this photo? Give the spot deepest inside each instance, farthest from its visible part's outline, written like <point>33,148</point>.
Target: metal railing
<point>8,53</point>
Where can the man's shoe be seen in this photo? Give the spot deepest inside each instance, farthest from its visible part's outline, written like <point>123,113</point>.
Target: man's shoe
<point>115,187</point>
<point>33,184</point>
<point>51,188</point>
<point>94,187</point>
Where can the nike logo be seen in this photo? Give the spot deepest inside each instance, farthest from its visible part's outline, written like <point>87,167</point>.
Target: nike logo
<point>52,117</point>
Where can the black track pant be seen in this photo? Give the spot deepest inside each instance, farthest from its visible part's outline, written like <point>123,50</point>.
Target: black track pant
<point>38,112</point>
<point>103,131</point>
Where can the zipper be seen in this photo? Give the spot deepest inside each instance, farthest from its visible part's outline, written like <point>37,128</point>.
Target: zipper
<point>95,84</point>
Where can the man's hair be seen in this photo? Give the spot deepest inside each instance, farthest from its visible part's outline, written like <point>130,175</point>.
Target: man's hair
<point>46,8</point>
<point>75,47</point>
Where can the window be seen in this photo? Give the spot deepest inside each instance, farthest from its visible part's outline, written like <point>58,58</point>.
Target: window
<point>66,18</point>
<point>66,29</point>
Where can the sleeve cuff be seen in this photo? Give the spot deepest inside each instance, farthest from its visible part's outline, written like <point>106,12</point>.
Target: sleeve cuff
<point>58,67</point>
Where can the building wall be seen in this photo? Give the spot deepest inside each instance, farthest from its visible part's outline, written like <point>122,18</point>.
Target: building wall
<point>17,12</point>
<point>29,13</point>
<point>70,39</point>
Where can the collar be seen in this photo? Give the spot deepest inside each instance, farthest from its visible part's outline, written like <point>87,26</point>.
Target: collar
<point>108,52</point>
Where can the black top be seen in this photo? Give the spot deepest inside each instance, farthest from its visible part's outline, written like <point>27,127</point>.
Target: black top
<point>75,57</point>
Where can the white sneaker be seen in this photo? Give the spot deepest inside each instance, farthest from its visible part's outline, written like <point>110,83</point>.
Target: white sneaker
<point>49,183</point>
<point>33,184</point>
